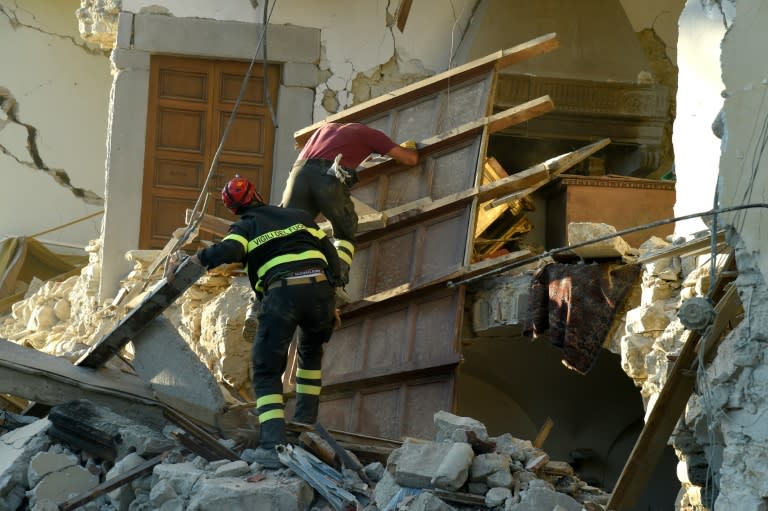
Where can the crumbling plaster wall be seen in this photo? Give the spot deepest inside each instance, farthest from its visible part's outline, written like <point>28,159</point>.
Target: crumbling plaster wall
<point>53,110</point>
<point>363,53</point>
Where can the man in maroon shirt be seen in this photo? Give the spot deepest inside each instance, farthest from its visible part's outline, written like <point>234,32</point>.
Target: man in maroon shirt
<point>320,179</point>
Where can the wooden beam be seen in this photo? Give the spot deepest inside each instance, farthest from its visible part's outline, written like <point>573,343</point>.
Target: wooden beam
<point>687,248</point>
<point>473,269</point>
<point>543,433</point>
<point>211,224</point>
<point>554,166</point>
<point>450,78</point>
<point>111,484</point>
<point>448,139</point>
<point>670,405</point>
<point>402,13</point>
<point>492,171</point>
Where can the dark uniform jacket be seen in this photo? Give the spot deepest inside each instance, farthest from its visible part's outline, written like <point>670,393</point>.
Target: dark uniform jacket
<point>272,241</point>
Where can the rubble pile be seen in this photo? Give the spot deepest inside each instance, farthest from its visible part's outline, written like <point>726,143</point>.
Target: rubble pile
<point>653,337</point>
<point>462,469</point>
<point>65,318</point>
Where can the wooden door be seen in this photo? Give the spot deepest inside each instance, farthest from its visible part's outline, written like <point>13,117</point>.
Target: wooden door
<point>190,103</point>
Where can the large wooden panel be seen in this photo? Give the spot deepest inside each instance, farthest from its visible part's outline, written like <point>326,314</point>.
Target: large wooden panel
<point>437,175</point>
<point>411,335</point>
<point>413,254</point>
<point>394,410</point>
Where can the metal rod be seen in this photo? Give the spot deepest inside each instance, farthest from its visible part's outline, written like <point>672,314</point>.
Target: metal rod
<point>523,262</point>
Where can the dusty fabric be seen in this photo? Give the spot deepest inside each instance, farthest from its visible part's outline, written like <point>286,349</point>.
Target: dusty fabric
<point>577,303</point>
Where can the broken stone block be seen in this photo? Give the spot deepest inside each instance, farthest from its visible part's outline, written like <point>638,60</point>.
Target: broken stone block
<point>181,476</point>
<point>374,471</point>
<point>501,306</point>
<point>161,493</point>
<point>486,464</point>
<point>285,494</point>
<point>538,497</point>
<point>647,319</point>
<point>385,490</point>
<point>187,384</point>
<point>497,496</point>
<point>634,348</point>
<point>454,469</point>
<point>43,463</point>
<point>477,488</point>
<point>122,497</point>
<point>232,469</point>
<point>416,464</point>
<point>97,427</point>
<point>500,479</point>
<point>515,448</point>
<point>580,232</point>
<point>16,449</point>
<point>447,424</point>
<point>426,501</point>
<point>62,484</point>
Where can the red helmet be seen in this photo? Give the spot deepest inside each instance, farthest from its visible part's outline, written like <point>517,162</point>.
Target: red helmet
<point>239,192</point>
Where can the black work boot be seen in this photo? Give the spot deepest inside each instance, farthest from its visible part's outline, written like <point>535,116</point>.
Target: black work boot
<point>306,408</point>
<point>272,434</point>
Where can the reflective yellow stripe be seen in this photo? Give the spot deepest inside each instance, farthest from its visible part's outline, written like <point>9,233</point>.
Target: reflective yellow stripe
<point>349,247</point>
<point>279,233</point>
<point>302,388</point>
<point>345,257</point>
<point>272,414</point>
<point>270,399</point>
<point>317,233</point>
<point>310,374</point>
<point>289,258</point>
<point>237,237</point>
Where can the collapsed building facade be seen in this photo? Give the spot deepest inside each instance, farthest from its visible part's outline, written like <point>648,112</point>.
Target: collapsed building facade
<point>482,369</point>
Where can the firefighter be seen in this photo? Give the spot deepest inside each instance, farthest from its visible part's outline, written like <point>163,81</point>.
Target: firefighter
<point>293,268</point>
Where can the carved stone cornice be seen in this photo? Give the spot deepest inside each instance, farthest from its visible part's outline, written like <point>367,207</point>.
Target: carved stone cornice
<point>628,113</point>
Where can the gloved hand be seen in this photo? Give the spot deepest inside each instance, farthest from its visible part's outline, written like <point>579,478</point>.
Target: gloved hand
<point>409,144</point>
<point>251,323</point>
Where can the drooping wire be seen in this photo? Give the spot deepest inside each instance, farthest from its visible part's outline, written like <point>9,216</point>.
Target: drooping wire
<point>538,257</point>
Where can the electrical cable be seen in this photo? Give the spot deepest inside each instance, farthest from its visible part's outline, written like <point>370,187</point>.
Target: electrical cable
<point>267,96</point>
<point>528,260</point>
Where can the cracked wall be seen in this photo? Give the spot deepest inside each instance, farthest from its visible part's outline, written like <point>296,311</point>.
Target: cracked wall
<point>364,54</point>
<point>53,111</point>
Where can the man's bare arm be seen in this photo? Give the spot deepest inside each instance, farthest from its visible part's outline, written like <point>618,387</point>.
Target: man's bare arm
<point>404,156</point>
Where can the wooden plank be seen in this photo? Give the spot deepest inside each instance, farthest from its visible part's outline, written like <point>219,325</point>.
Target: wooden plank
<point>670,405</point>
<point>450,138</point>
<point>157,300</point>
<point>687,248</point>
<point>402,13</point>
<point>554,166</point>
<point>473,269</point>
<point>348,461</point>
<point>112,484</point>
<point>201,435</point>
<point>450,78</point>
<point>543,433</point>
<point>492,171</point>
<point>211,224</point>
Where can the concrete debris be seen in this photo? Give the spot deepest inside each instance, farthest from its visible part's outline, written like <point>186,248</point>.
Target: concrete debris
<point>40,471</point>
<point>581,232</point>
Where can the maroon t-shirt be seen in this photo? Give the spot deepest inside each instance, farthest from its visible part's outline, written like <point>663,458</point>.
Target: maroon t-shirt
<point>353,140</point>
